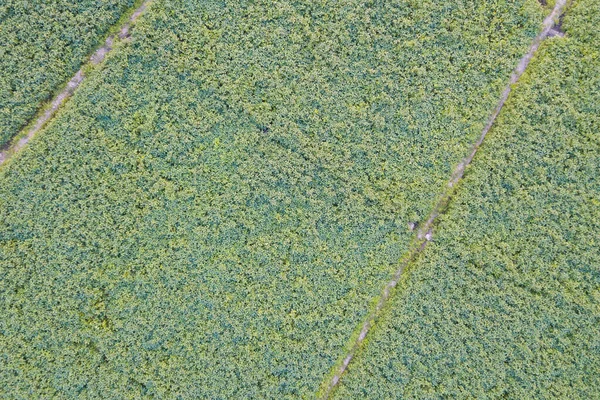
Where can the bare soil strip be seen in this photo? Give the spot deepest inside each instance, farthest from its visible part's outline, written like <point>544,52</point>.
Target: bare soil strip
<point>425,232</point>
<point>68,91</point>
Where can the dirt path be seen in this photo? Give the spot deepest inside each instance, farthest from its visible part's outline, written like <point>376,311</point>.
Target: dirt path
<point>50,110</point>
<point>425,232</point>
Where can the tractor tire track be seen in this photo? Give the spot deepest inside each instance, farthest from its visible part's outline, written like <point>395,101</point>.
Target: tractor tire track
<point>50,110</point>
<point>550,26</point>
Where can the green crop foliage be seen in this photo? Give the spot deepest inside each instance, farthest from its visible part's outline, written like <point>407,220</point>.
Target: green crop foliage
<point>42,44</point>
<point>215,208</point>
<point>505,303</point>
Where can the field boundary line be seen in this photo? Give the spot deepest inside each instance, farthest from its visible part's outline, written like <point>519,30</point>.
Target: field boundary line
<point>425,232</point>
<point>47,112</point>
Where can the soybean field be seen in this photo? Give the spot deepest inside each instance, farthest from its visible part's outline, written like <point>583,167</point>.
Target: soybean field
<point>217,208</point>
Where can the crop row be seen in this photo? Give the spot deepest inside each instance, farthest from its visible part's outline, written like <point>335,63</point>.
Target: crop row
<point>505,302</point>
<point>212,212</point>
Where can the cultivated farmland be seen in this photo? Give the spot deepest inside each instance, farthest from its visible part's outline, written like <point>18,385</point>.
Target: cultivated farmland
<point>42,44</point>
<point>217,207</point>
<point>505,301</point>
<point>226,196</point>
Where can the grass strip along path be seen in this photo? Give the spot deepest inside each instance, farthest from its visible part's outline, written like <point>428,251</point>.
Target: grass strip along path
<point>42,44</point>
<point>212,211</point>
<point>505,302</point>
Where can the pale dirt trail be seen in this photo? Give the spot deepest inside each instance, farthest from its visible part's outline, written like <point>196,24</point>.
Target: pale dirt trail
<point>425,232</point>
<point>71,86</point>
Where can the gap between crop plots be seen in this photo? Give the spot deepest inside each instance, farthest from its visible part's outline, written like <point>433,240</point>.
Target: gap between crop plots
<point>425,231</point>
<point>504,301</point>
<point>23,91</point>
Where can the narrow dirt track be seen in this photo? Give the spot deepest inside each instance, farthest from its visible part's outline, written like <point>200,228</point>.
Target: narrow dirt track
<point>425,232</point>
<point>71,86</point>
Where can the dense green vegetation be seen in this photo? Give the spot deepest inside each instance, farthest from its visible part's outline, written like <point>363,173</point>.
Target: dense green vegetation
<point>505,303</point>
<point>212,212</point>
<point>42,44</point>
